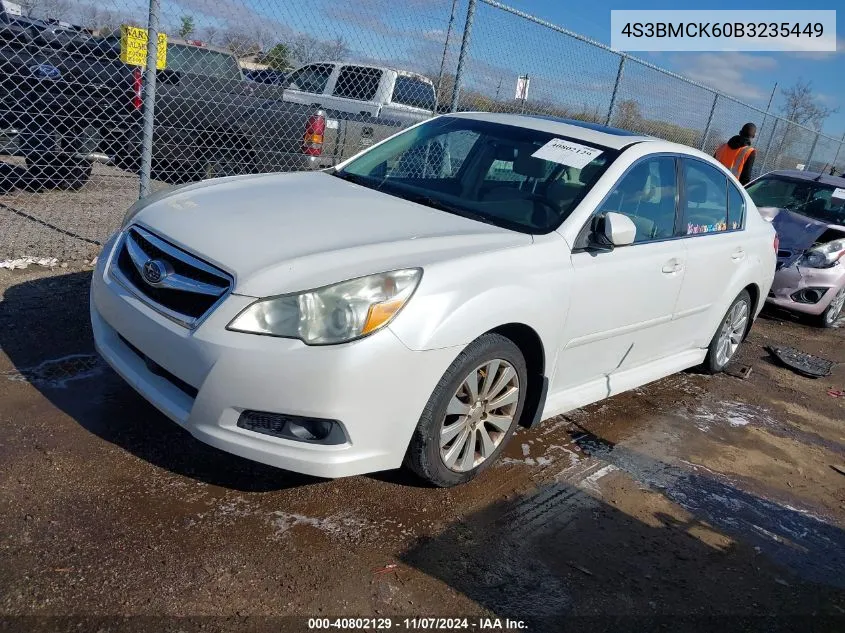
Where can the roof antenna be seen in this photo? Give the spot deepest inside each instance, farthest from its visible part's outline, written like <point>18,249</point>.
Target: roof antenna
<point>821,173</point>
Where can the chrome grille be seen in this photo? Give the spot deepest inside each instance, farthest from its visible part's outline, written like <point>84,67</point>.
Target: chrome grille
<point>166,278</point>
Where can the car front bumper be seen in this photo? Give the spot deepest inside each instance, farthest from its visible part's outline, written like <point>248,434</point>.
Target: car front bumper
<point>375,387</point>
<point>792,279</point>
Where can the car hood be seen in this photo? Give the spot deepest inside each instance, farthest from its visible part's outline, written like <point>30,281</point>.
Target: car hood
<point>797,233</point>
<point>277,233</point>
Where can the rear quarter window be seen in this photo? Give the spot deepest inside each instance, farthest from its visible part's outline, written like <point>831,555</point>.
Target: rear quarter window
<point>414,92</point>
<point>736,208</point>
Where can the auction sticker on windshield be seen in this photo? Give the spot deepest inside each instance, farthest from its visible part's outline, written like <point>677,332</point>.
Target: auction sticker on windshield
<point>567,153</point>
<point>839,192</point>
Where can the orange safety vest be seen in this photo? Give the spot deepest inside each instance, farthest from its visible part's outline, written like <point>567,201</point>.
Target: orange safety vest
<point>734,159</point>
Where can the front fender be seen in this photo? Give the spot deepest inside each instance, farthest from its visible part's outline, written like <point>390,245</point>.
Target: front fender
<point>452,309</point>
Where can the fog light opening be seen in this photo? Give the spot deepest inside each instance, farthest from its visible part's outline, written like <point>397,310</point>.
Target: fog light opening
<point>310,430</point>
<point>293,427</point>
<point>809,295</point>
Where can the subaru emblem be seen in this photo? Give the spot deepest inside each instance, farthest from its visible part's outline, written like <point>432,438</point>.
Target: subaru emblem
<point>45,71</point>
<point>155,271</point>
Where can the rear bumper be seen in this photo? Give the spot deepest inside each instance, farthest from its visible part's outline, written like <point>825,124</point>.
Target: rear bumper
<point>792,279</point>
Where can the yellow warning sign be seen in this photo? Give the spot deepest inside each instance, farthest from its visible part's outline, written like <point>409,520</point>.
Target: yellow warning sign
<point>133,47</point>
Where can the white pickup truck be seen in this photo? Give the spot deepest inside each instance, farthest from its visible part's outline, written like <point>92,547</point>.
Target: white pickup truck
<point>373,91</point>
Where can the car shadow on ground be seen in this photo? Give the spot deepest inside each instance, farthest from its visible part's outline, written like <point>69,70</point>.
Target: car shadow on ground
<point>45,331</point>
<point>716,558</point>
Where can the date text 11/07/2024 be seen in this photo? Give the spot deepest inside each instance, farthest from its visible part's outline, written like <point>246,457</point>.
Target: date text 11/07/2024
<point>417,624</point>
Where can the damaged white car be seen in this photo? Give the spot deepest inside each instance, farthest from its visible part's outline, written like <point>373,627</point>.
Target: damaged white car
<point>808,211</point>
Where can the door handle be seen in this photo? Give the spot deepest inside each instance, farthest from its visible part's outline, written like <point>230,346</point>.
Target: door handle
<point>672,266</point>
<point>738,254</point>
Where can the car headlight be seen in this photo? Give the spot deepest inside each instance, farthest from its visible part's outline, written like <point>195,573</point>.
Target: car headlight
<point>824,256</point>
<point>332,314</point>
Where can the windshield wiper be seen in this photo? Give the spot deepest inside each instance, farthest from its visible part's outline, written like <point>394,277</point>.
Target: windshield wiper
<point>355,178</point>
<point>434,203</point>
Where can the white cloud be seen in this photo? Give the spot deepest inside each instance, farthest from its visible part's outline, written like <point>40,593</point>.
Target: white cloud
<point>824,55</point>
<point>727,72</point>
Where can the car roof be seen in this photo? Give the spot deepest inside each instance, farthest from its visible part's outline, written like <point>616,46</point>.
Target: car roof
<point>611,137</point>
<point>798,174</point>
<point>400,71</point>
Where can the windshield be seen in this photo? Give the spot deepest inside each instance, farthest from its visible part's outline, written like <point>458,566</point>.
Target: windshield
<point>522,179</point>
<point>202,61</point>
<point>816,200</point>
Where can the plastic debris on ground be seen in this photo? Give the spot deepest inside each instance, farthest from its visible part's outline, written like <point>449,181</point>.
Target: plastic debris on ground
<point>27,260</point>
<point>801,362</point>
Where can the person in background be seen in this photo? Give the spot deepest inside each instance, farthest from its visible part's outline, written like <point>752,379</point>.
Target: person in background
<point>737,154</point>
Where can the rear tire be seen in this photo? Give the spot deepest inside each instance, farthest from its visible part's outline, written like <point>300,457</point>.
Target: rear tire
<point>731,332</point>
<point>229,159</point>
<point>472,413</point>
<point>58,171</point>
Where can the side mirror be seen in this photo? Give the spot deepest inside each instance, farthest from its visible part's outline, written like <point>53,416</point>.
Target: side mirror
<point>619,229</point>
<point>610,230</point>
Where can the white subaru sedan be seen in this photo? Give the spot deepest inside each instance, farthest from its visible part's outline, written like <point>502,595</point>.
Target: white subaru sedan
<point>421,300</point>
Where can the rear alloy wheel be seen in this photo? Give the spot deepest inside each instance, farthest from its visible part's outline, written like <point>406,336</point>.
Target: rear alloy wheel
<point>471,414</point>
<point>833,312</point>
<point>730,334</point>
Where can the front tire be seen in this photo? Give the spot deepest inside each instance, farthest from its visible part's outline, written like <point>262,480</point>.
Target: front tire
<point>472,413</point>
<point>729,336</point>
<point>834,311</point>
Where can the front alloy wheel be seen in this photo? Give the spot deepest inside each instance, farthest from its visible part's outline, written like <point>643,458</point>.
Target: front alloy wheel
<point>471,413</point>
<point>479,415</point>
<point>832,313</point>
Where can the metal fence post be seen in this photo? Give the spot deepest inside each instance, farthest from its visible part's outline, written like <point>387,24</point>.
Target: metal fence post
<point>769,145</point>
<point>709,121</point>
<point>149,97</point>
<point>443,60</point>
<point>459,73</point>
<point>838,149</point>
<point>812,150</point>
<point>615,89</point>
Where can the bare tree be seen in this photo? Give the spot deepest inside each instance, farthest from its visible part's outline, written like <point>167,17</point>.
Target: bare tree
<point>801,106</point>
<point>211,33</point>
<point>335,50</point>
<point>305,48</point>
<point>29,7</point>
<point>240,43</point>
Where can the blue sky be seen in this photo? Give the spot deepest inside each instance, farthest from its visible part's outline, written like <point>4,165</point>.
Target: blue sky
<point>411,34</point>
<point>748,76</point>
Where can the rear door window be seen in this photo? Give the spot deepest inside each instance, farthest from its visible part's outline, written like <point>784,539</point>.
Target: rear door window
<point>413,91</point>
<point>705,198</point>
<point>311,78</point>
<point>357,82</point>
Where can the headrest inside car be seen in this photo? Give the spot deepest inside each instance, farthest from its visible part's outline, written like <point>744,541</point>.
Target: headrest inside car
<point>526,165</point>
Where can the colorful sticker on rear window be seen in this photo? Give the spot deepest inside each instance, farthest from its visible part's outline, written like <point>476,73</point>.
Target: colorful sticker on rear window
<point>693,229</point>
<point>839,192</point>
<point>567,153</point>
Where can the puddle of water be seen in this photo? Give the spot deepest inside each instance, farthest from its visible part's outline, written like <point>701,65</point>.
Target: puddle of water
<point>58,372</point>
<point>735,414</point>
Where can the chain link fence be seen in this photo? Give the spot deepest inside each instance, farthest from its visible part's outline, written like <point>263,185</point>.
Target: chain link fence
<point>251,86</point>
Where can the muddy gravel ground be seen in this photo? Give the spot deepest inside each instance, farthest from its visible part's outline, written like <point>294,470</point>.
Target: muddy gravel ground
<point>695,503</point>
<point>68,225</point>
